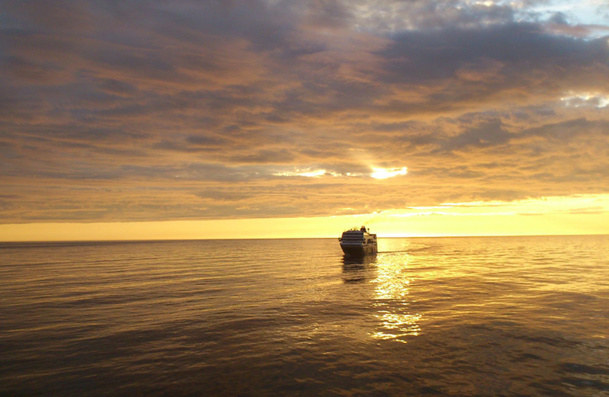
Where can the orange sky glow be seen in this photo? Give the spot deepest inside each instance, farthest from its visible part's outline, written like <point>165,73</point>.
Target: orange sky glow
<point>275,119</point>
<point>581,215</point>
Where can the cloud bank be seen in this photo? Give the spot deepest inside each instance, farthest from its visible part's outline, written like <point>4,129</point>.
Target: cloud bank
<point>126,111</point>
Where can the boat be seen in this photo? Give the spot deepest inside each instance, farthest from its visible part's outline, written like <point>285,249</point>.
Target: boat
<point>358,242</point>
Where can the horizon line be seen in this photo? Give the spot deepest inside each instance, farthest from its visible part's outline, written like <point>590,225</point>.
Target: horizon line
<point>289,238</point>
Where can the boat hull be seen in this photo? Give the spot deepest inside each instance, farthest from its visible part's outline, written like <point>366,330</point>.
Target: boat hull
<point>358,250</point>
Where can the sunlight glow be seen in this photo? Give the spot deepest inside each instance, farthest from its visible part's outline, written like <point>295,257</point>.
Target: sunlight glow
<point>581,214</point>
<point>384,173</point>
<point>578,100</point>
<point>580,204</point>
<point>306,173</point>
<point>396,322</point>
<point>377,173</point>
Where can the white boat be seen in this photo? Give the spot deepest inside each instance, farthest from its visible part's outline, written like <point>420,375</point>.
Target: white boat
<point>358,242</point>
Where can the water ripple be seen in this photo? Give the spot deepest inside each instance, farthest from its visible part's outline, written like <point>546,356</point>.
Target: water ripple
<point>444,316</point>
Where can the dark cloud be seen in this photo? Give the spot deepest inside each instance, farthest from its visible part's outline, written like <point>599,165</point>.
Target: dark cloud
<point>494,59</point>
<point>490,133</point>
<point>265,157</point>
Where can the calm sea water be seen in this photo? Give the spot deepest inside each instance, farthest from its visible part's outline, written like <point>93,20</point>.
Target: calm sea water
<point>439,316</point>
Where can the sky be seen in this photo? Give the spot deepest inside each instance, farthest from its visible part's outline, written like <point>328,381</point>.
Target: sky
<point>270,118</point>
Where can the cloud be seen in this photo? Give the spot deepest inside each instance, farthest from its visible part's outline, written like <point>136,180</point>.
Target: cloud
<point>189,110</point>
<point>464,67</point>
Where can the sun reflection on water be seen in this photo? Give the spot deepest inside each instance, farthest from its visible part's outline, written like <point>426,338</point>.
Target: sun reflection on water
<point>391,301</point>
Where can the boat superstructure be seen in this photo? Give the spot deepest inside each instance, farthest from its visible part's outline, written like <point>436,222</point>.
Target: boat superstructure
<point>358,242</point>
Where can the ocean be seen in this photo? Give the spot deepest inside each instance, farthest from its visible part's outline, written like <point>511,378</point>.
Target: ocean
<point>472,316</point>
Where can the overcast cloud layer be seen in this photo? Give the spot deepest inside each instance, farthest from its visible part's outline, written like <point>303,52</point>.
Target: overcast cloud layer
<point>130,110</point>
